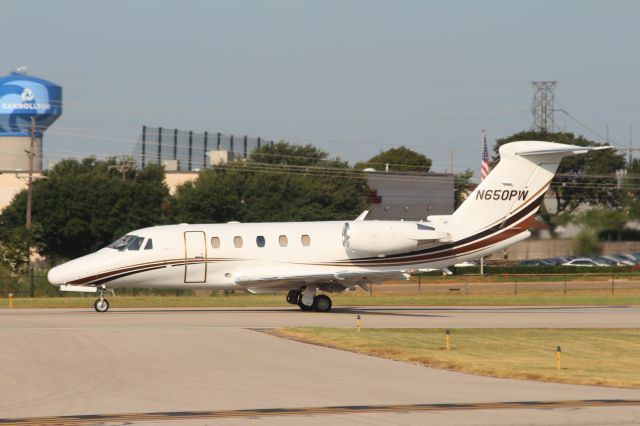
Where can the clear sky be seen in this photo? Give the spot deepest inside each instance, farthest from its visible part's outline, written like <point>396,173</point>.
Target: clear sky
<point>352,77</point>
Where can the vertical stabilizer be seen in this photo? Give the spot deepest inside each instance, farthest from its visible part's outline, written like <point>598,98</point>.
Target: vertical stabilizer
<point>515,188</point>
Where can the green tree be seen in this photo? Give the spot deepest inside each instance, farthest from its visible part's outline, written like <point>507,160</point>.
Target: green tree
<point>275,197</point>
<point>581,179</point>
<point>586,243</point>
<point>602,219</point>
<point>83,205</point>
<point>398,159</point>
<point>279,183</point>
<point>283,153</point>
<point>594,221</point>
<point>463,186</point>
<point>15,248</point>
<point>259,195</point>
<point>216,196</point>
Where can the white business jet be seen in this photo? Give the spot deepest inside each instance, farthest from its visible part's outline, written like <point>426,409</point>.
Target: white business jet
<point>306,257</point>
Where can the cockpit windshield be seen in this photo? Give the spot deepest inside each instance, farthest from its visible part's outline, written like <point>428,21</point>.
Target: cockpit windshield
<point>127,242</point>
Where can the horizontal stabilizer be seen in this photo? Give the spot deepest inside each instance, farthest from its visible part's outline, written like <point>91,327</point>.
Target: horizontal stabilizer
<point>560,149</point>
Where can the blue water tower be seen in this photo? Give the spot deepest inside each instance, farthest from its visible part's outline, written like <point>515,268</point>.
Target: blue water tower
<point>22,98</point>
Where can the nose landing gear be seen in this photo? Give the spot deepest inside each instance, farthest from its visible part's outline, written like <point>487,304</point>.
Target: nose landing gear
<point>102,304</point>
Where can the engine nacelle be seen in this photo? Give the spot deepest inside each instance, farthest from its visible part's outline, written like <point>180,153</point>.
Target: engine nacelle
<point>387,237</point>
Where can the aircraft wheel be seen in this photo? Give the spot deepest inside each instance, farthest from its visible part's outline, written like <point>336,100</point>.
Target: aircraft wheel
<point>101,305</point>
<point>305,307</point>
<point>293,297</point>
<point>322,303</point>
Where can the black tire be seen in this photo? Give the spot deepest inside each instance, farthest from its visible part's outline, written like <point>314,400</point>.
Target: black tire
<point>322,303</point>
<point>293,297</point>
<point>305,307</point>
<point>101,305</point>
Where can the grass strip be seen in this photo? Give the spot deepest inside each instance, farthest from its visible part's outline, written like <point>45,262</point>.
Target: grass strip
<point>593,356</point>
<point>586,298</point>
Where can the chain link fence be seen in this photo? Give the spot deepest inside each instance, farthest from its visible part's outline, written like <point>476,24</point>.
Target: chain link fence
<point>37,285</point>
<point>496,284</point>
<point>27,285</point>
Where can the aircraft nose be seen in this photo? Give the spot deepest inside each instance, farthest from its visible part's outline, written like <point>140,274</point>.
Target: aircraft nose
<point>56,276</point>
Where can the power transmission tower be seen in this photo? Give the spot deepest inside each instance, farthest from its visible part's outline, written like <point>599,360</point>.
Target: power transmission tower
<point>542,106</point>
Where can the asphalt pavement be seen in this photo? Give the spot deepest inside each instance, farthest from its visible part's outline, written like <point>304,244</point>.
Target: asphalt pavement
<point>211,365</point>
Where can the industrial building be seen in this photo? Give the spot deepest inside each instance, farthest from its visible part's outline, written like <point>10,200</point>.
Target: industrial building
<point>410,196</point>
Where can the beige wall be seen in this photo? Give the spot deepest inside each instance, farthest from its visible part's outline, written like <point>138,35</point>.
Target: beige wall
<point>13,182</point>
<point>173,180</point>
<point>10,184</point>
<point>14,157</point>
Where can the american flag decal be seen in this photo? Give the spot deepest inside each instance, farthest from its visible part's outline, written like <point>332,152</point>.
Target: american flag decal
<point>486,166</point>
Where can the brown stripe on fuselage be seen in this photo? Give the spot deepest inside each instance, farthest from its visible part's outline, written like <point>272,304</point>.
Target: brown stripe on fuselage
<point>505,234</point>
<point>448,250</point>
<point>529,202</point>
<point>468,249</point>
<point>91,278</point>
<point>141,266</point>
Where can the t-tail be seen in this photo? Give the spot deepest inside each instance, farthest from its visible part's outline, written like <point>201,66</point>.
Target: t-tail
<point>509,197</point>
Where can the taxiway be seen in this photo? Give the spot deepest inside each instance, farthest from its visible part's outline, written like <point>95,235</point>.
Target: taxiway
<point>60,362</point>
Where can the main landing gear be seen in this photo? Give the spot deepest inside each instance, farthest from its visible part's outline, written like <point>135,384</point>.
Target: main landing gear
<point>308,301</point>
<point>102,304</point>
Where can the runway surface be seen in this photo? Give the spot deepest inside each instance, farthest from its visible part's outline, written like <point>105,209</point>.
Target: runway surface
<point>387,317</point>
<point>208,366</point>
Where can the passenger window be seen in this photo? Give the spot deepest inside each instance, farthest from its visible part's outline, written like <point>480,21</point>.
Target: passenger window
<point>237,242</point>
<point>283,240</point>
<point>306,240</point>
<point>135,243</point>
<point>149,245</point>
<point>215,242</point>
<point>260,241</point>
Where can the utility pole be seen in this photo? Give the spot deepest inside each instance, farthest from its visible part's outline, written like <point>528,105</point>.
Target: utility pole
<point>30,154</point>
<point>124,167</point>
<point>630,144</point>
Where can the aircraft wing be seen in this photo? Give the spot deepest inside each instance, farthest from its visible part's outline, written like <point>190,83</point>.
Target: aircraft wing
<point>338,281</point>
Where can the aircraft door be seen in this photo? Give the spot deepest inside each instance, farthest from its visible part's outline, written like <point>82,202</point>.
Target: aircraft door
<point>195,257</point>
